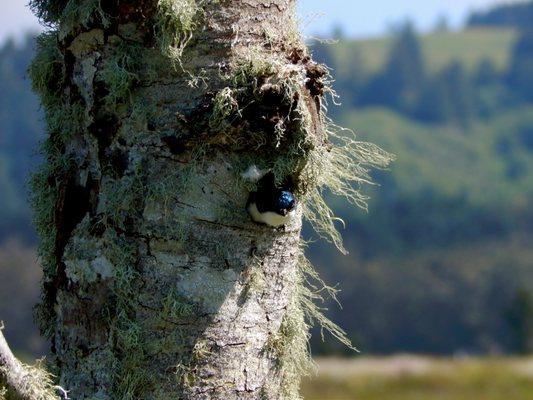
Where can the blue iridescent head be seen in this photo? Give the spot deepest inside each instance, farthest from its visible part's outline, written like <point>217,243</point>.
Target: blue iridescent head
<point>284,202</point>
<point>269,201</point>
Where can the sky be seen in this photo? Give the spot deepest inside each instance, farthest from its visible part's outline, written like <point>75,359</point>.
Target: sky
<point>364,18</point>
<point>358,18</point>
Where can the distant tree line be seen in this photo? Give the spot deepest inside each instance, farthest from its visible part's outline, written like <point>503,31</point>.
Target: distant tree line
<point>20,131</point>
<point>519,316</point>
<point>517,15</point>
<point>451,95</point>
<point>411,263</point>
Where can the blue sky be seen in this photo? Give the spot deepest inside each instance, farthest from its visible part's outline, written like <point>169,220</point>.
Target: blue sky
<point>372,18</point>
<point>359,18</point>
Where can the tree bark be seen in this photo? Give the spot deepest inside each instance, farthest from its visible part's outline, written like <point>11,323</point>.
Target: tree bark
<point>23,381</point>
<point>161,286</point>
<point>157,283</point>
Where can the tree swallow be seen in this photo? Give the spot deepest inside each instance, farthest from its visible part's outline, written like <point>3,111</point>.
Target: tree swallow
<point>270,205</point>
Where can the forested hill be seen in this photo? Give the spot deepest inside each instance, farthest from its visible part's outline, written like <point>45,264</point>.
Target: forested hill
<point>444,247</point>
<point>20,131</point>
<point>516,14</point>
<point>442,261</point>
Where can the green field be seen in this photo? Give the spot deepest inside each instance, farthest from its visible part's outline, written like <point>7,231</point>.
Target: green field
<point>452,160</point>
<point>419,378</point>
<point>468,47</point>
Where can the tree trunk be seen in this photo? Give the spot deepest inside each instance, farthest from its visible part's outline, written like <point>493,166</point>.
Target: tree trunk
<point>157,283</point>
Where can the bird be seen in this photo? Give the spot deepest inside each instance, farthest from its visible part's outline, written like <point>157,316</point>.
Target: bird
<point>270,205</point>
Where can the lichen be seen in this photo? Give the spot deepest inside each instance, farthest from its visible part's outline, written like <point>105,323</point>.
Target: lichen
<point>224,106</point>
<point>322,160</point>
<point>130,378</point>
<point>176,21</point>
<point>47,69</point>
<point>122,199</point>
<point>291,343</point>
<point>48,11</point>
<point>261,112</point>
<point>341,171</point>
<point>62,119</point>
<point>39,386</point>
<point>69,15</point>
<point>121,72</point>
<point>265,95</point>
<point>336,163</point>
<point>290,347</point>
<point>82,13</point>
<point>136,338</point>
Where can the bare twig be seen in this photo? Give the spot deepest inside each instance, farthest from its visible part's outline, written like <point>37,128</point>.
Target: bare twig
<point>27,382</point>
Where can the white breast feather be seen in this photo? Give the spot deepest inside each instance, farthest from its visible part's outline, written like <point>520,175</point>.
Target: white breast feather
<point>269,217</point>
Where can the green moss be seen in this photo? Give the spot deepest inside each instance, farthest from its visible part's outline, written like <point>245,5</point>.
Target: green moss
<point>137,338</point>
<point>43,199</point>
<point>49,11</point>
<point>44,188</point>
<point>63,120</point>
<point>70,14</point>
<point>47,69</point>
<point>130,378</point>
<point>176,21</point>
<point>341,171</point>
<point>291,343</point>
<point>82,13</point>
<point>122,199</point>
<point>121,72</point>
<point>225,106</point>
<point>39,384</point>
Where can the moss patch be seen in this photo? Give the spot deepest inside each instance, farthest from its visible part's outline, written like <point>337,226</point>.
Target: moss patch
<point>40,384</point>
<point>49,11</point>
<point>266,111</point>
<point>81,14</point>
<point>342,171</point>
<point>121,72</point>
<point>291,343</point>
<point>176,21</point>
<point>264,108</point>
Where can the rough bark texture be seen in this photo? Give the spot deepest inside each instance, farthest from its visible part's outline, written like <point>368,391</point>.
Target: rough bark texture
<point>161,287</point>
<point>23,382</point>
<point>157,284</point>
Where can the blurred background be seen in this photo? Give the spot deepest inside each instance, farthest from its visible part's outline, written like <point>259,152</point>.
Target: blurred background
<point>437,291</point>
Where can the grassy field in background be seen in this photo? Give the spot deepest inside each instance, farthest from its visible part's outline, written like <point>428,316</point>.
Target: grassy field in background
<point>468,47</point>
<point>470,155</point>
<point>421,378</point>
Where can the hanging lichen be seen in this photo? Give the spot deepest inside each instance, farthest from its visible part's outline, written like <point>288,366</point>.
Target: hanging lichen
<point>176,21</point>
<point>266,110</point>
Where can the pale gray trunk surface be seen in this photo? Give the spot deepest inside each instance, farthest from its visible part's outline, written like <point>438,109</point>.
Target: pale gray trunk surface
<point>157,283</point>
<point>162,287</point>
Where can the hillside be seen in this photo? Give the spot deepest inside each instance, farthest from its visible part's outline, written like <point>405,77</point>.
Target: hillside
<point>439,262</point>
<point>455,160</point>
<point>517,14</point>
<point>469,47</point>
